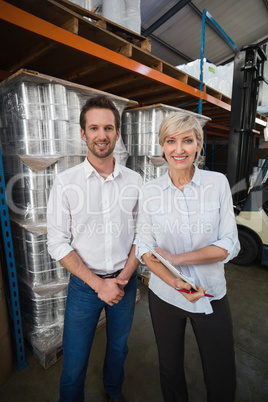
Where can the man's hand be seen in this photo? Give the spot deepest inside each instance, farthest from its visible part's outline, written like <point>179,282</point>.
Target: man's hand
<point>111,290</point>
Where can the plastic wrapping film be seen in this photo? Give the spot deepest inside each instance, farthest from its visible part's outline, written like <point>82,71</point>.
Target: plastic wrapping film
<point>123,12</point>
<point>147,166</point>
<point>34,265</point>
<point>43,289</point>
<point>218,77</point>
<point>42,312</point>
<point>27,191</point>
<point>40,137</point>
<point>43,119</point>
<point>140,128</point>
<point>43,317</point>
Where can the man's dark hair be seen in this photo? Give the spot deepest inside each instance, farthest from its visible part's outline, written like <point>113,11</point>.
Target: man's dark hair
<point>99,102</point>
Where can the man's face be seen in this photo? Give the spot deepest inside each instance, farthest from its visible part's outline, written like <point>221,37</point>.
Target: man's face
<point>100,133</point>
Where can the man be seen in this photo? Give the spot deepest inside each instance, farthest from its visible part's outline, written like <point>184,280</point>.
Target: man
<point>91,221</point>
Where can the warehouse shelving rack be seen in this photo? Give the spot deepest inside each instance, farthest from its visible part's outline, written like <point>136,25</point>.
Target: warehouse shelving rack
<point>53,37</point>
<point>14,305</point>
<point>208,18</point>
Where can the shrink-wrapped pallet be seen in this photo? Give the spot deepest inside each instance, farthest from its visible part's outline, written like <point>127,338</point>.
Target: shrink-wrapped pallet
<point>123,12</point>
<point>40,137</point>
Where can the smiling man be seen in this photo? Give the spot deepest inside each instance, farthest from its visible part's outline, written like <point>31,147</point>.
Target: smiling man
<point>99,133</point>
<point>92,233</point>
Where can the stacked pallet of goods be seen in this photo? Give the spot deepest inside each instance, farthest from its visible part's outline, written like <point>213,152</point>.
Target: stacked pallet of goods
<point>40,137</point>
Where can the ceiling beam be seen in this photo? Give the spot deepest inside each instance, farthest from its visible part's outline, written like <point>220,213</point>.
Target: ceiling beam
<point>166,17</point>
<point>166,45</point>
<point>215,26</point>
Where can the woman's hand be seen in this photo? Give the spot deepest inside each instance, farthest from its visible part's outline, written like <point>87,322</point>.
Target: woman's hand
<point>151,257</point>
<point>168,256</point>
<point>178,283</point>
<point>193,296</point>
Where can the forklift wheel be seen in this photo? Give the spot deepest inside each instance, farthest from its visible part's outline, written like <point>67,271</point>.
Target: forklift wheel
<point>249,249</point>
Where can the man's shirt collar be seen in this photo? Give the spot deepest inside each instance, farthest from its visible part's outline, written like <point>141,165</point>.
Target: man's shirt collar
<point>90,170</point>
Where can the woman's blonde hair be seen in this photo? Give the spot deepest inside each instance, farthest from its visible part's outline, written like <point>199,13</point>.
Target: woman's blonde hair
<point>180,122</point>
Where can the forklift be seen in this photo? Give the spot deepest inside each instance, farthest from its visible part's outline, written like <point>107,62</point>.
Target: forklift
<point>250,201</point>
<point>252,222</point>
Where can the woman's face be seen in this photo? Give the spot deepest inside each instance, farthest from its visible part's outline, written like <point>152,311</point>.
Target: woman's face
<point>180,150</point>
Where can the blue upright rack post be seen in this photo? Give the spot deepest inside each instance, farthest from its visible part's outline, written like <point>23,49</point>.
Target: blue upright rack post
<point>12,274</point>
<point>202,48</point>
<point>206,16</point>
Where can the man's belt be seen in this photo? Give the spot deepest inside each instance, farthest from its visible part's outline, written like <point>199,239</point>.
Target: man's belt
<point>112,275</point>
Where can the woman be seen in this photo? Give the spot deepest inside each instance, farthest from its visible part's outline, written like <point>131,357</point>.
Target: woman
<point>187,216</point>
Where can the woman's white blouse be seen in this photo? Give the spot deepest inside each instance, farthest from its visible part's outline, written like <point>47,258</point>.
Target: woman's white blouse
<point>180,222</point>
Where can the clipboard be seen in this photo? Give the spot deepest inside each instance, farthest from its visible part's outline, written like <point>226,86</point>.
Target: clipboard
<point>171,267</point>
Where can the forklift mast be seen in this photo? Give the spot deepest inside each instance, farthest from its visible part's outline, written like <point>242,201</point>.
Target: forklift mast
<point>248,72</point>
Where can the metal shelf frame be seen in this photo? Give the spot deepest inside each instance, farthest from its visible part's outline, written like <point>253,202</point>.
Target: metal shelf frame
<point>14,306</point>
<point>44,29</point>
<point>207,17</point>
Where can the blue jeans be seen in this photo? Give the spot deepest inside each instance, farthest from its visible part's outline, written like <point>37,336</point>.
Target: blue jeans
<point>82,313</point>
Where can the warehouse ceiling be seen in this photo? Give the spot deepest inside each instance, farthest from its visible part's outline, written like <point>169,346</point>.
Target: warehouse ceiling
<point>175,27</point>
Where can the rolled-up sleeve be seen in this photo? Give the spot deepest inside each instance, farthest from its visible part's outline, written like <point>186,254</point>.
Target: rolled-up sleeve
<point>227,231</point>
<point>145,233</point>
<point>58,223</point>
<point>136,211</point>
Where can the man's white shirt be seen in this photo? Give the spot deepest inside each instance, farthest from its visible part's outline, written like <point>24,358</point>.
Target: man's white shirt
<point>93,216</point>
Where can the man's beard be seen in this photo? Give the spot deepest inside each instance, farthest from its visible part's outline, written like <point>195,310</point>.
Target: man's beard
<point>100,154</point>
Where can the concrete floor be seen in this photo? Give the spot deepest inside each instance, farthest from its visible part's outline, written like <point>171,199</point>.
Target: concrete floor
<point>248,295</point>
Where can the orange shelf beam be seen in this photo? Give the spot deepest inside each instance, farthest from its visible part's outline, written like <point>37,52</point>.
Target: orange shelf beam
<point>29,22</point>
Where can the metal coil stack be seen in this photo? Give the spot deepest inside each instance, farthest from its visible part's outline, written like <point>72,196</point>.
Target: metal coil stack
<point>40,137</point>
<point>140,130</point>
<point>140,127</point>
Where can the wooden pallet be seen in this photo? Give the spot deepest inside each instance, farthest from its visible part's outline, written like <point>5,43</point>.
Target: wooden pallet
<point>101,22</point>
<point>47,359</point>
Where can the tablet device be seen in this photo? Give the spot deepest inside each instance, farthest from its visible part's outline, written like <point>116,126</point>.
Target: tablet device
<point>171,267</point>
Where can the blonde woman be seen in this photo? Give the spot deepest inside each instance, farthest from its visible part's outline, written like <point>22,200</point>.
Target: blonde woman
<point>187,216</point>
